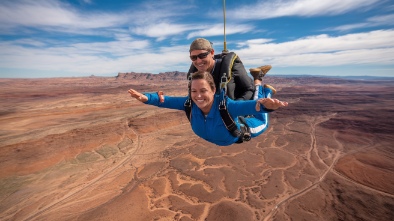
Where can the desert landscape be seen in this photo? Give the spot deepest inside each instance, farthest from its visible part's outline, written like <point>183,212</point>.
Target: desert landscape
<point>82,149</point>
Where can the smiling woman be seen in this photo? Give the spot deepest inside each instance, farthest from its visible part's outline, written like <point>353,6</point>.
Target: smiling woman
<point>205,115</point>
<point>202,92</point>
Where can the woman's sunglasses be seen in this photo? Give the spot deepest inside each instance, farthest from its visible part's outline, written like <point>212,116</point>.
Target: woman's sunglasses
<point>200,56</point>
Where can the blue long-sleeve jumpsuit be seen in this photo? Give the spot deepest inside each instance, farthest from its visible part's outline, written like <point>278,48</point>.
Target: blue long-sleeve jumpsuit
<point>211,127</point>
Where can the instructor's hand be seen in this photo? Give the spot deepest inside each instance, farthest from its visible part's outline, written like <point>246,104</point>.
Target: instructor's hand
<point>137,95</point>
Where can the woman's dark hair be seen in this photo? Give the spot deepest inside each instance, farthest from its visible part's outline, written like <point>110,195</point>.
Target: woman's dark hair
<point>205,75</point>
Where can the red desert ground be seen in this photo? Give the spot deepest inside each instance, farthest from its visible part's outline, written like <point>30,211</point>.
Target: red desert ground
<point>82,149</point>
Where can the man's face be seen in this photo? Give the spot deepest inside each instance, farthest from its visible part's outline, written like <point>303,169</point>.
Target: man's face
<point>204,59</point>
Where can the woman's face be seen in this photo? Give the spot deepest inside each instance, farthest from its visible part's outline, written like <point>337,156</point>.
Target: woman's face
<point>205,63</point>
<point>202,95</point>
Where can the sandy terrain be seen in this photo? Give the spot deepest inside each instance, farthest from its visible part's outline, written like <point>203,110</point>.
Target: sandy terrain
<point>82,149</point>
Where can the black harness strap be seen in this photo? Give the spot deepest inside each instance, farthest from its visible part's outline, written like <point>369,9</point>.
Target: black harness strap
<point>188,103</point>
<point>188,108</point>
<point>228,120</point>
<point>217,77</point>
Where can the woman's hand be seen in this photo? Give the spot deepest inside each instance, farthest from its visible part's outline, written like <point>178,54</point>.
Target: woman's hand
<point>137,95</point>
<point>270,103</point>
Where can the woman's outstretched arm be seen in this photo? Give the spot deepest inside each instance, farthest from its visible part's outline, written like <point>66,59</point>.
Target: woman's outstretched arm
<point>137,95</point>
<point>158,99</point>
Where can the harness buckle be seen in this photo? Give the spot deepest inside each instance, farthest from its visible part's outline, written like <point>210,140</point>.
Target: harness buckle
<point>223,81</point>
<point>188,103</point>
<point>245,130</point>
<point>244,134</point>
<point>222,105</point>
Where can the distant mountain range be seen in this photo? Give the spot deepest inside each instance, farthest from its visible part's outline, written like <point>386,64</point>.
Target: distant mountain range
<point>166,76</point>
<point>176,75</point>
<point>341,77</point>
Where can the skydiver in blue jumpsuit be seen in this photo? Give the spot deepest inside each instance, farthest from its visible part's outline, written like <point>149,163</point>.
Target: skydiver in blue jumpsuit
<point>205,118</point>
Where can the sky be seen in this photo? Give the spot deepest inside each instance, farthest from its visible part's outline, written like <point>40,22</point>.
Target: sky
<point>75,38</point>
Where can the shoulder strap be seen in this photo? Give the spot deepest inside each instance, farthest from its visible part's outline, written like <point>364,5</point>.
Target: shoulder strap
<point>227,64</point>
<point>216,74</point>
<point>225,73</point>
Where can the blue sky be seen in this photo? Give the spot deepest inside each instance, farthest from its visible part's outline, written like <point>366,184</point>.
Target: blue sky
<point>57,38</point>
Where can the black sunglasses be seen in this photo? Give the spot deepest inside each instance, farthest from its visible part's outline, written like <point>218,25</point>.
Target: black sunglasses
<point>200,56</point>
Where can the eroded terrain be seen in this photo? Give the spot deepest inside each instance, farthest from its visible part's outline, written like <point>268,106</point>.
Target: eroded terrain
<point>82,149</point>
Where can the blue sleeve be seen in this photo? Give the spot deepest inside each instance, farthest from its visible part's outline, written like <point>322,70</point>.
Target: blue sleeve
<point>169,102</point>
<point>241,108</point>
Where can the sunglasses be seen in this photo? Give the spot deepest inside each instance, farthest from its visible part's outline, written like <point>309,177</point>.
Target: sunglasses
<point>200,56</point>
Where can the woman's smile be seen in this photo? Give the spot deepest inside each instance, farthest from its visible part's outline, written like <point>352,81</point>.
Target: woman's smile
<point>202,95</point>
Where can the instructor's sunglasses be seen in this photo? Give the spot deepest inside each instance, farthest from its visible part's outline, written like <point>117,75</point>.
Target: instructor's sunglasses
<point>200,56</point>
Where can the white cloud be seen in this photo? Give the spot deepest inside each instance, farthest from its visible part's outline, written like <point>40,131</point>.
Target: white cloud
<point>323,50</point>
<point>102,42</point>
<point>29,42</point>
<point>354,57</point>
<point>374,47</point>
<point>382,20</point>
<point>217,30</point>
<point>279,8</point>
<point>161,30</point>
<point>55,16</point>
<point>253,42</point>
<point>87,1</point>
